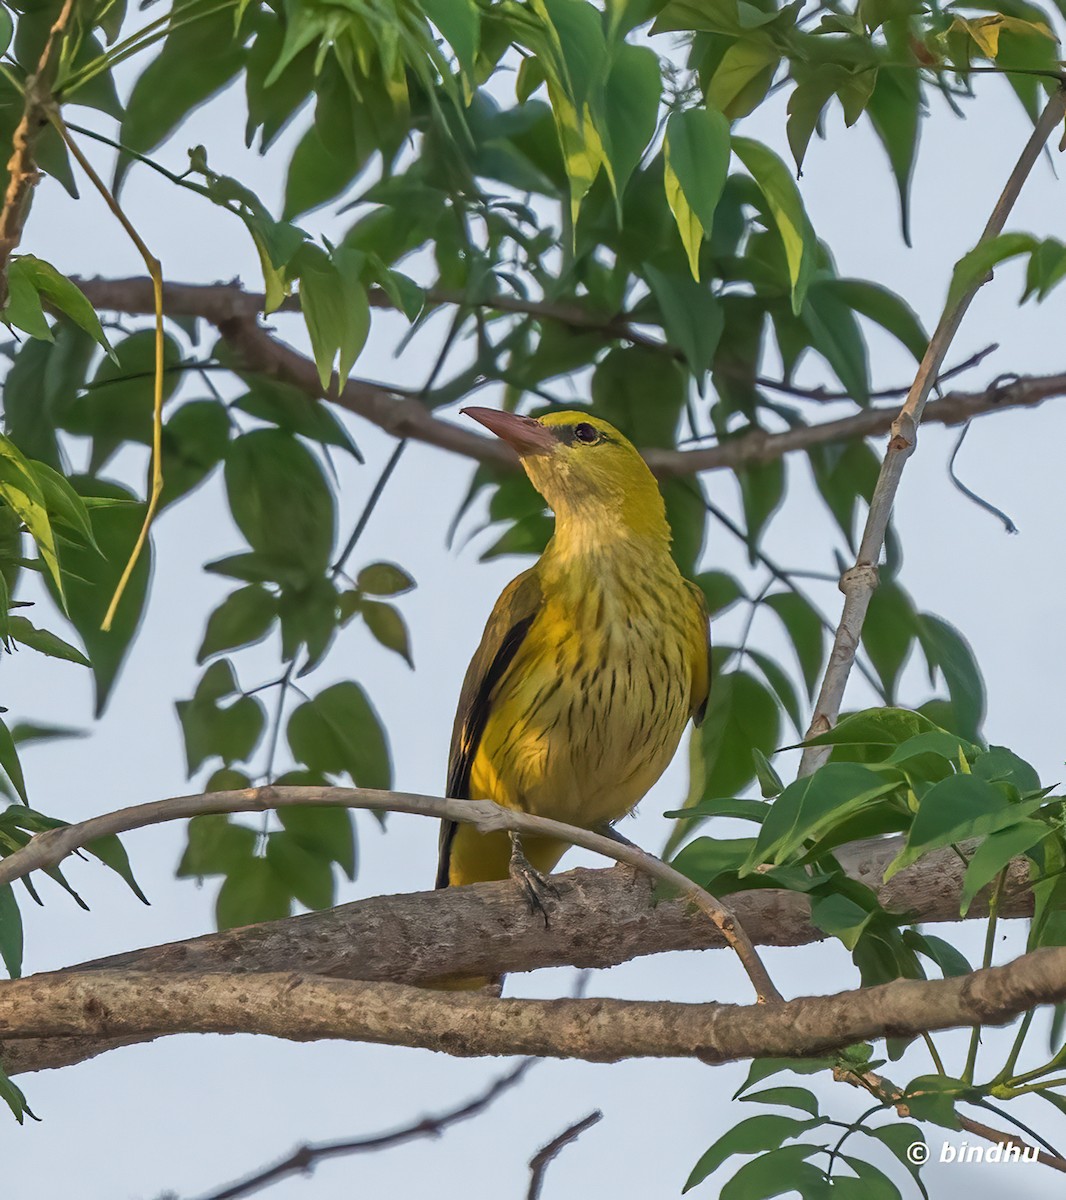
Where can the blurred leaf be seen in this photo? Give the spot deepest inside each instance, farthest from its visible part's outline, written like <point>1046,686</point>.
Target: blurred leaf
<point>13,1097</point>
<point>888,633</point>
<point>339,732</point>
<point>836,335</point>
<point>10,931</point>
<point>994,853</point>
<point>946,649</point>
<point>721,591</point>
<point>243,618</point>
<point>284,406</point>
<point>388,627</point>
<point>786,207</point>
<point>280,499</point>
<point>894,108</point>
<point>326,832</point>
<point>216,846</point>
<point>383,579</point>
<point>44,642</point>
<point>691,315</point>
<point>804,628</point>
<point>696,151</point>
<point>307,875</point>
<point>886,309</point>
<point>91,578</point>
<point>253,892</point>
<point>783,1168</point>
<point>9,760</point>
<point>762,492</point>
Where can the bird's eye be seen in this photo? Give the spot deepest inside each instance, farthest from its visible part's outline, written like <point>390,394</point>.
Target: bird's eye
<point>585,433</point>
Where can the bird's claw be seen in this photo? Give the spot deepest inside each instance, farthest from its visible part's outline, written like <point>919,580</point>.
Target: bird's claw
<point>536,888</point>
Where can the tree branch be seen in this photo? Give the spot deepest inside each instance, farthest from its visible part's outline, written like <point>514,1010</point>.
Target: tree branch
<point>307,1157</point>
<point>49,848</point>
<point>108,1004</point>
<point>540,1161</point>
<point>602,918</point>
<point>858,583</point>
<point>22,166</point>
<point>233,312</point>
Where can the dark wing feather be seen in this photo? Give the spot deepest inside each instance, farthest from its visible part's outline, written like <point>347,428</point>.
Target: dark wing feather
<point>507,627</point>
<point>702,689</point>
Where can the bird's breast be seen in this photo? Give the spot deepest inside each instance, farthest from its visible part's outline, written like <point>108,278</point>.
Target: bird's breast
<point>593,706</point>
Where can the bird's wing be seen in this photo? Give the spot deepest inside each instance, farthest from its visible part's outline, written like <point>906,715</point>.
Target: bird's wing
<point>701,674</point>
<point>507,627</point>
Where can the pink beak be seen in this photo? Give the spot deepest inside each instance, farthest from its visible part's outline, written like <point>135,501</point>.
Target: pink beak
<point>525,434</point>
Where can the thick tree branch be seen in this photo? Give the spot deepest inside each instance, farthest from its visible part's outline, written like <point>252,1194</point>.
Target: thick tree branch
<point>602,918</point>
<point>22,166</point>
<point>233,312</point>
<point>49,848</point>
<point>108,1004</point>
<point>859,583</point>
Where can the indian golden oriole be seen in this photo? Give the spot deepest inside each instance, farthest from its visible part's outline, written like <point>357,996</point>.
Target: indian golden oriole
<point>592,661</point>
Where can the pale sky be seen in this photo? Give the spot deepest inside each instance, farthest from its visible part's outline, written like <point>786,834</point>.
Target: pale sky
<point>186,1115</point>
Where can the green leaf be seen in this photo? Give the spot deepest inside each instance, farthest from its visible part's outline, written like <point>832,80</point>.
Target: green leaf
<point>888,633</point>
<point>118,405</point>
<point>9,760</point>
<point>292,410</point>
<point>339,732</point>
<point>932,1098</point>
<point>995,852</point>
<point>788,1097</point>
<point>253,892</point>
<point>13,1097</point>
<point>762,492</point>
<point>952,962</point>
<point>742,716</point>
<point>387,625</point>
<point>784,691</point>
<point>811,806</point>
<point>326,832</point>
<point>63,294</point>
<point>886,309</point>
<point>871,1182</point>
<point>973,268</point>
<point>888,727</point>
<point>763,1132</point>
<point>999,763</point>
<point>243,618</point>
<point>804,628</point>
<point>721,591</point>
<point>280,499</point>
<point>835,334</point>
<point>786,207</point>
<point>743,77</point>
<point>198,59</point>
<point>216,846</point>
<point>335,308</point>
<point>845,473</point>
<point>696,155</point>
<point>692,318</point>
<point>65,507</point>
<point>92,576</point>
<point>777,1173</point>
<point>899,1137</point>
<point>111,852</point>
<point>10,931</point>
<point>44,642</point>
<point>956,808</point>
<point>230,733</point>
<point>893,109</point>
<point>946,648</point>
<point>21,491</point>
<point>460,23</point>
<point>630,110</point>
<point>383,579</point>
<point>307,875</point>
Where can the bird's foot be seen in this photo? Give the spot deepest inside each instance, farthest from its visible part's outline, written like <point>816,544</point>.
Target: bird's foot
<point>536,888</point>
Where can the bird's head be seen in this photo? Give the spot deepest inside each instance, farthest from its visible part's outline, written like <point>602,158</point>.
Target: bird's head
<point>582,466</point>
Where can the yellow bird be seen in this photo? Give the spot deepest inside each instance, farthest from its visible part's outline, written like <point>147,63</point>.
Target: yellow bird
<point>591,663</point>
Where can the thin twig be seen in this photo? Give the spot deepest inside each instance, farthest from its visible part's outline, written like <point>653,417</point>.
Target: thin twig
<point>538,1164</point>
<point>49,848</point>
<point>858,583</point>
<point>155,272</point>
<point>305,1158</point>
